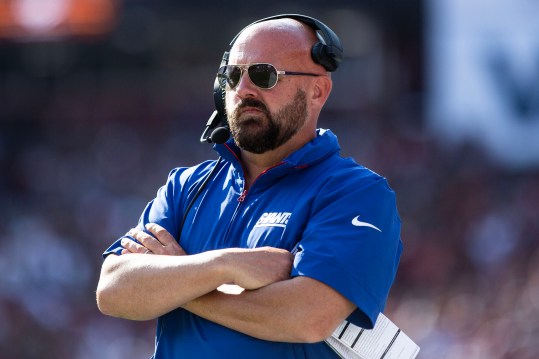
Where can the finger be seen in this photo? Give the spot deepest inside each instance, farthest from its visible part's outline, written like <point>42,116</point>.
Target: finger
<point>131,246</point>
<point>148,242</point>
<point>161,233</point>
<point>133,231</point>
<point>169,244</point>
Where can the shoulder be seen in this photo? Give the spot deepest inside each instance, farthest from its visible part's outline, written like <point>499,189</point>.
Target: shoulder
<point>346,174</point>
<point>184,175</point>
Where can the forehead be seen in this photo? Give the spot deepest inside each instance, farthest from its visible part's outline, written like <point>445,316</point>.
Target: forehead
<point>273,41</point>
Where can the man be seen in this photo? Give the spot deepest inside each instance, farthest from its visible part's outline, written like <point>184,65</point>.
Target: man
<point>313,238</point>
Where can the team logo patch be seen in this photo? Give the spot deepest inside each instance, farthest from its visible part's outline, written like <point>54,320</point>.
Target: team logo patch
<point>273,219</point>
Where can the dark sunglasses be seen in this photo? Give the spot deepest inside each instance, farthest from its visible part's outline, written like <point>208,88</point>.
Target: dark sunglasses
<point>264,76</point>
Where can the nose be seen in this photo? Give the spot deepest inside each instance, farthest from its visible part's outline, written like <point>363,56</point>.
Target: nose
<point>245,87</point>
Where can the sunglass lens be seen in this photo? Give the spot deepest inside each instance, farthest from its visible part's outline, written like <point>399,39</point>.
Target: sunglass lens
<point>263,75</point>
<point>233,75</point>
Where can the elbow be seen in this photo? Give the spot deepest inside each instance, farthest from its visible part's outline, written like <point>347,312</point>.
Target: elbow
<point>105,300</point>
<point>111,302</point>
<point>107,295</point>
<point>317,335</point>
<point>314,331</point>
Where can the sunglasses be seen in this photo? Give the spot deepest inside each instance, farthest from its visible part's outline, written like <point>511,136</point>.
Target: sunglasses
<point>264,76</point>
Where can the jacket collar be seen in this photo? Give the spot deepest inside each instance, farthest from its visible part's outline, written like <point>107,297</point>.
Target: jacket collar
<point>322,146</point>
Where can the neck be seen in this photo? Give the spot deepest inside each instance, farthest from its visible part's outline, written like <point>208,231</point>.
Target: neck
<point>254,164</point>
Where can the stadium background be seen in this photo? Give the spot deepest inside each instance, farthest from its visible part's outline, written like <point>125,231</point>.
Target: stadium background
<point>99,99</point>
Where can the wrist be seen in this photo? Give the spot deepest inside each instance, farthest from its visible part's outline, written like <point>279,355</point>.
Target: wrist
<point>224,265</point>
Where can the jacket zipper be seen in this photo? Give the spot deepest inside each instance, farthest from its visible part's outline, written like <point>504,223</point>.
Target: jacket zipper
<point>241,199</point>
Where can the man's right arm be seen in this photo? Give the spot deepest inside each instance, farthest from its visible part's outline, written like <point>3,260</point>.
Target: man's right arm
<point>145,286</point>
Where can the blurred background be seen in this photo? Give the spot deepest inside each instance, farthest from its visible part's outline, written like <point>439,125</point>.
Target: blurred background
<point>99,99</point>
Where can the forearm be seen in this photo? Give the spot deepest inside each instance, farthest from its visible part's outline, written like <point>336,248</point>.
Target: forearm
<point>143,287</point>
<point>296,310</point>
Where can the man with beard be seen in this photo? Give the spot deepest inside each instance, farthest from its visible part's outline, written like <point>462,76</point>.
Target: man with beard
<point>311,237</point>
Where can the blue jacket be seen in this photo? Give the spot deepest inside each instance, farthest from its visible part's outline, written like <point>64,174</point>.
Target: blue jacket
<point>340,217</point>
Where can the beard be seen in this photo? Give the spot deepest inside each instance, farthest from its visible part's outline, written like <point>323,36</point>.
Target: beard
<point>266,132</point>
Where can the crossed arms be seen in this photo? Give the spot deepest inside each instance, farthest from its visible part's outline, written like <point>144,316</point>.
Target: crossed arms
<point>274,307</point>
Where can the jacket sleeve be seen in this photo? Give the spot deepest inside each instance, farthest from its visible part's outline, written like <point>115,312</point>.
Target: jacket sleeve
<point>352,243</point>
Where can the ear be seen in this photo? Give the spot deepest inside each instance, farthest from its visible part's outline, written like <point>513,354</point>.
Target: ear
<point>321,90</point>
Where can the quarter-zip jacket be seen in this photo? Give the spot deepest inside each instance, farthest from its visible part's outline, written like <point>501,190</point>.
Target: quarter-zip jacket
<point>339,218</point>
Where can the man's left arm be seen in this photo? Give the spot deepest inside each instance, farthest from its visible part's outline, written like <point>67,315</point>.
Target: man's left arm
<point>300,310</point>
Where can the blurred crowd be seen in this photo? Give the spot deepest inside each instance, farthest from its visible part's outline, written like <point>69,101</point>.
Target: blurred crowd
<point>82,153</point>
<point>469,277</point>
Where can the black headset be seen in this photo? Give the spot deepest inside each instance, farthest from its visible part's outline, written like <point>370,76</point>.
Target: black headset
<point>327,52</point>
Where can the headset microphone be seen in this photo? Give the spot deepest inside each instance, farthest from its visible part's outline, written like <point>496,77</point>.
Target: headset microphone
<point>220,135</point>
<point>213,133</point>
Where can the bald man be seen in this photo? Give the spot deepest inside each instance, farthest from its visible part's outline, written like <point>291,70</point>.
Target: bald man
<point>311,237</point>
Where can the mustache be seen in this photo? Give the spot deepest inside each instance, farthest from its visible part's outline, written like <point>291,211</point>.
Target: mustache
<point>251,102</point>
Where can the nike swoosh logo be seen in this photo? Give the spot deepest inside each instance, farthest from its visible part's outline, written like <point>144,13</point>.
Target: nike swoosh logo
<point>356,222</point>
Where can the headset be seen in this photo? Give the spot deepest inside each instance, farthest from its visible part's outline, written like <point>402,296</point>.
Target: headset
<point>327,52</point>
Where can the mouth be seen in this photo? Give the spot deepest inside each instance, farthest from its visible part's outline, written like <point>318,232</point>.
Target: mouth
<point>250,111</point>
<point>251,116</point>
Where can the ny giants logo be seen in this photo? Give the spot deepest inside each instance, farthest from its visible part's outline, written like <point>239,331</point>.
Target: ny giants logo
<point>273,219</point>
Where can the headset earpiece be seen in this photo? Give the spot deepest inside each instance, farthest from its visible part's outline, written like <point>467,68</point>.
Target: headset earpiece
<point>216,130</point>
<point>322,56</point>
<point>219,95</point>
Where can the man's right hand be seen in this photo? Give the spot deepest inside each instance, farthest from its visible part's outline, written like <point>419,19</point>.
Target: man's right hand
<point>257,267</point>
<point>162,242</point>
